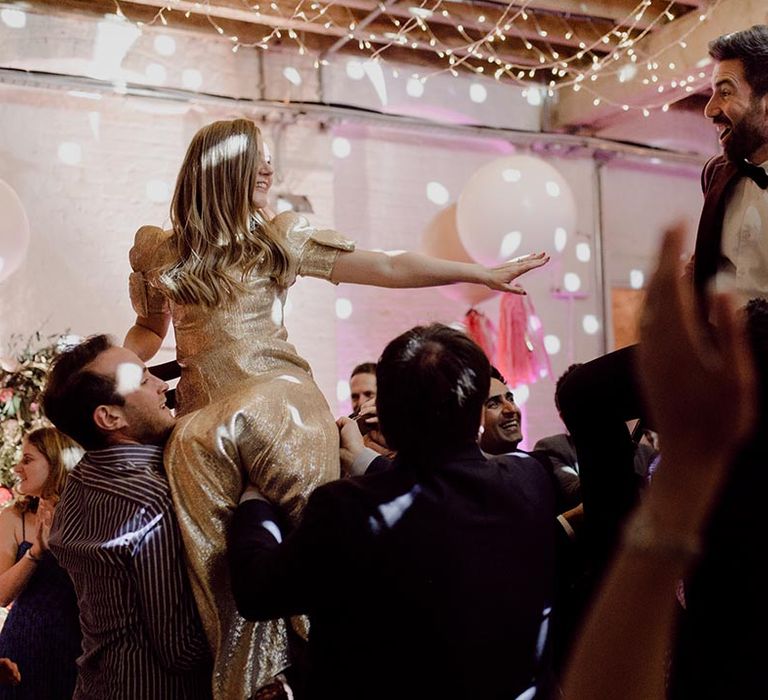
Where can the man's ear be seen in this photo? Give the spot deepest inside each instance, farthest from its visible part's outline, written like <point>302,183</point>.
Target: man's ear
<point>108,418</point>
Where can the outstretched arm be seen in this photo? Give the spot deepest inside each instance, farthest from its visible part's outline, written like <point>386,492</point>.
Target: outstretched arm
<point>146,335</point>
<point>417,270</point>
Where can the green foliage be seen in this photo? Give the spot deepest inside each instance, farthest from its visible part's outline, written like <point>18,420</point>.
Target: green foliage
<point>22,380</point>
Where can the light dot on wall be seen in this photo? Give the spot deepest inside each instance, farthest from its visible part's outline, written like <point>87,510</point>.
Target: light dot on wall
<point>511,175</point>
<point>561,238</point>
<point>16,19</point>
<point>571,282</point>
<point>292,75</point>
<point>478,93</point>
<point>437,193</point>
<point>191,78</point>
<point>636,279</point>
<point>343,308</point>
<point>521,393</point>
<point>533,97</point>
<point>414,87</point>
<point>552,344</point>
<point>355,70</point>
<point>342,390</point>
<point>156,73</point>
<point>534,323</point>
<point>341,147</point>
<point>590,324</point>
<point>553,189</point>
<point>158,191</point>
<point>510,243</point>
<point>70,153</point>
<point>165,45</point>
<point>583,252</point>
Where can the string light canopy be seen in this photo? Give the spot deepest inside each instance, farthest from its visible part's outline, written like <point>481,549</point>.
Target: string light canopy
<point>546,45</point>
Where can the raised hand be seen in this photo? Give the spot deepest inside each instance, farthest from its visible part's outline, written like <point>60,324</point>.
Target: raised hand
<point>689,371</point>
<point>500,277</point>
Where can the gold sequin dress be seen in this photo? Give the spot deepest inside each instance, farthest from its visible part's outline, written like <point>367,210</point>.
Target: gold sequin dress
<point>248,410</point>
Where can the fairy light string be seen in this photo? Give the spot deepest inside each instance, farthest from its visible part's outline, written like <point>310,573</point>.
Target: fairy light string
<point>480,46</point>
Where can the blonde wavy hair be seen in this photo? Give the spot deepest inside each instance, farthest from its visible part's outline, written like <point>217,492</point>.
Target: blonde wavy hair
<point>62,454</point>
<point>219,234</point>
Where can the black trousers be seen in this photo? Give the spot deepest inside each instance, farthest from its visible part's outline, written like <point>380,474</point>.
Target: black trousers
<point>595,401</point>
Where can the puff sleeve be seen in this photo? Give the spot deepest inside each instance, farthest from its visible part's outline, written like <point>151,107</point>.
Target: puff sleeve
<point>146,298</point>
<point>315,250</point>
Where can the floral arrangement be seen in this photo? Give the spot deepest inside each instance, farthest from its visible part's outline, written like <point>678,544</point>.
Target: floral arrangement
<point>22,379</point>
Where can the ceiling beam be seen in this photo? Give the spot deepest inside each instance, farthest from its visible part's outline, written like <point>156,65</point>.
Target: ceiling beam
<point>582,13</point>
<point>376,30</point>
<point>575,110</point>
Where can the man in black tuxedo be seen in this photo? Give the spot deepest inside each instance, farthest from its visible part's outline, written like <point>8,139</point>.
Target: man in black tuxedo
<point>431,579</point>
<point>598,397</point>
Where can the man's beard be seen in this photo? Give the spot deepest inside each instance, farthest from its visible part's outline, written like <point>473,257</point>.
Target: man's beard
<point>746,137</point>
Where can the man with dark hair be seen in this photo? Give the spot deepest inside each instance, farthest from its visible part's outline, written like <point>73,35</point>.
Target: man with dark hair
<point>362,385</point>
<point>451,555</point>
<point>116,534</point>
<point>502,429</point>
<point>598,397</point>
<point>733,231</point>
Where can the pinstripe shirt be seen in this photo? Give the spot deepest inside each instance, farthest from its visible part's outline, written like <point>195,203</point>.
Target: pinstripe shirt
<point>115,533</point>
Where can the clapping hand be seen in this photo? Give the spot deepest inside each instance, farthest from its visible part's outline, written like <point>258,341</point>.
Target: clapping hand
<point>44,521</point>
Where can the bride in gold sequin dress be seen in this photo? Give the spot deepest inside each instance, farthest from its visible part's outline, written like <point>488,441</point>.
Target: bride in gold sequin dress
<point>249,410</point>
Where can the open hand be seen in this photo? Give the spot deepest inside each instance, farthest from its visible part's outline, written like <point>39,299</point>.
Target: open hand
<point>698,382</point>
<point>688,368</point>
<point>501,276</point>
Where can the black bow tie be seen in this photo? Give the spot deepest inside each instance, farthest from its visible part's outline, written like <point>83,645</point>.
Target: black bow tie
<point>754,173</point>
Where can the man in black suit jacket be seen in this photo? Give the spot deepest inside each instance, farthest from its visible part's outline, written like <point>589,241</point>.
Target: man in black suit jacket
<point>431,579</point>
<point>598,397</point>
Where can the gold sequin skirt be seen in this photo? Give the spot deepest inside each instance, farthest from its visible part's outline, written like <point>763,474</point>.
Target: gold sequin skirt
<point>276,431</point>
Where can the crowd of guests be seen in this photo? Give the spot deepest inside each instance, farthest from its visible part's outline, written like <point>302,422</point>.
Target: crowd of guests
<point>214,552</point>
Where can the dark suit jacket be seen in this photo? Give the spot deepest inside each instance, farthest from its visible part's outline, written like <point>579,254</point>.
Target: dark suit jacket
<point>420,582</point>
<point>717,180</point>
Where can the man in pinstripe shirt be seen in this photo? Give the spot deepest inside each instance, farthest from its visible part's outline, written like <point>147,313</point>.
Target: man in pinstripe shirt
<point>116,534</point>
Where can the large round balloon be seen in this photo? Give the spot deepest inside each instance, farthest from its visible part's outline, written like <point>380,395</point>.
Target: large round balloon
<point>14,231</point>
<point>515,205</point>
<point>441,240</point>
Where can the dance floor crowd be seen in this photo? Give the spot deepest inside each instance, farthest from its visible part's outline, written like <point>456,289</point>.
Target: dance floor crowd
<point>230,539</point>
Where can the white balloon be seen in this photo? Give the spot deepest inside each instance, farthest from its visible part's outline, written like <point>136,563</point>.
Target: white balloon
<point>440,239</point>
<point>14,231</point>
<point>517,193</point>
